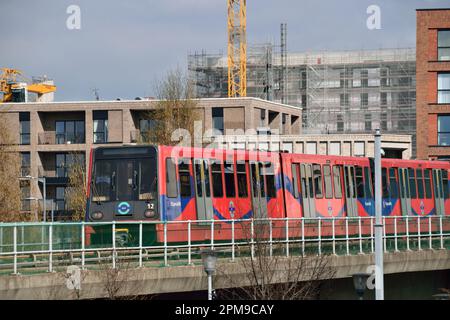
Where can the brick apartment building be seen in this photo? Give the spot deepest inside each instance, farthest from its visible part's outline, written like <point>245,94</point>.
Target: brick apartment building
<point>433,83</point>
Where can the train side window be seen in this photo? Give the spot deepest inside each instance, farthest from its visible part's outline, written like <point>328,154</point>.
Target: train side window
<point>445,183</point>
<point>184,177</point>
<point>384,183</point>
<point>304,185</point>
<point>242,180</point>
<point>294,169</point>
<point>317,175</point>
<point>327,181</point>
<point>217,183</point>
<point>229,180</point>
<point>393,185</point>
<point>412,183</point>
<point>337,182</point>
<point>367,184</point>
<point>359,182</point>
<point>269,173</point>
<point>427,180</point>
<point>419,175</point>
<point>171,178</point>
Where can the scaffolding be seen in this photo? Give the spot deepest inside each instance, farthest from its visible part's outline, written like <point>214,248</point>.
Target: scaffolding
<point>339,91</point>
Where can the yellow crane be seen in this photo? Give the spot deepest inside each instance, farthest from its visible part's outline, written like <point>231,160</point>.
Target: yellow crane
<point>9,81</point>
<point>237,48</point>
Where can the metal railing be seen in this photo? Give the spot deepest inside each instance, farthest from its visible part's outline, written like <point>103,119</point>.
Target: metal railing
<point>41,247</point>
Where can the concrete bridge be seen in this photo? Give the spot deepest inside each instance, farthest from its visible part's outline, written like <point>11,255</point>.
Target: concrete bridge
<point>55,261</point>
<point>153,280</point>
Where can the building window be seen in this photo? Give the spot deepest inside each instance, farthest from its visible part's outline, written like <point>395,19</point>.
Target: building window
<point>364,100</point>
<point>25,196</point>
<point>100,126</point>
<point>359,149</point>
<point>69,132</point>
<point>262,118</point>
<point>60,199</point>
<point>383,121</point>
<point>340,123</point>
<point>444,87</point>
<point>444,45</point>
<point>444,130</point>
<point>65,161</point>
<point>367,122</point>
<point>311,148</point>
<point>383,98</point>
<point>24,118</point>
<point>25,165</point>
<point>364,78</point>
<point>146,126</point>
<point>344,99</point>
<point>217,120</point>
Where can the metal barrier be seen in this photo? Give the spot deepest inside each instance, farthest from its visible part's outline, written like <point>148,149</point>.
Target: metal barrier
<point>41,247</point>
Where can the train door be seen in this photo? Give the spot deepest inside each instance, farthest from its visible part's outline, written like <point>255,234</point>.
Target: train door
<point>309,208</point>
<point>259,200</point>
<point>405,195</point>
<point>438,187</point>
<point>203,189</point>
<point>350,191</point>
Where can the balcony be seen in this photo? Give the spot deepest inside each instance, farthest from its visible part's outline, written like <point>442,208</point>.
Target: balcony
<point>53,176</point>
<point>137,137</point>
<point>52,138</point>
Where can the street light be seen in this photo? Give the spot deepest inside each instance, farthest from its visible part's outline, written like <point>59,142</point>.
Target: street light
<point>360,282</point>
<point>209,258</point>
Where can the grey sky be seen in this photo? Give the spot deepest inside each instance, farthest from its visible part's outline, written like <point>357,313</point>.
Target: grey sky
<point>124,46</point>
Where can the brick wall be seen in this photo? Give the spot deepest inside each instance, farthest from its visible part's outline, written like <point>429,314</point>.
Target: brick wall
<point>427,68</point>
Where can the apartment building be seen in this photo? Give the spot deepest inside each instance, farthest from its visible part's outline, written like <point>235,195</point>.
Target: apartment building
<point>433,84</point>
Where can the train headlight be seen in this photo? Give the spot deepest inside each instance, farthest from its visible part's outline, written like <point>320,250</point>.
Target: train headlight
<point>97,215</point>
<point>149,213</point>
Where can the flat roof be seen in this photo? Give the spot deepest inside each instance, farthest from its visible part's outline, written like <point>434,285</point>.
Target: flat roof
<point>144,101</point>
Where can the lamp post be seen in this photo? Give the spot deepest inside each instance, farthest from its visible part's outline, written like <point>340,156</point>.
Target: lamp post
<point>359,282</point>
<point>209,258</point>
<point>379,281</point>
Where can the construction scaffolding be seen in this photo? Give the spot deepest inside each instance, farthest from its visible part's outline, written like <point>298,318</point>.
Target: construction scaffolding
<point>340,91</point>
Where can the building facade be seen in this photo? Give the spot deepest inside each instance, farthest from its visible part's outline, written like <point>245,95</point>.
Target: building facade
<point>51,137</point>
<point>433,83</point>
<point>339,92</point>
<point>352,145</point>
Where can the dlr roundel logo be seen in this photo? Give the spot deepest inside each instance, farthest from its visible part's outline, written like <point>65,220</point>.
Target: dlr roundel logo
<point>124,208</point>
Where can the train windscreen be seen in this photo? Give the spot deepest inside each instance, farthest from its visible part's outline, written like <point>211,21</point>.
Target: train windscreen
<point>123,184</point>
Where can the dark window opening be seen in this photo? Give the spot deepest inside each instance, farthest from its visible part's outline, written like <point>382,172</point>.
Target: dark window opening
<point>359,182</point>
<point>242,180</point>
<point>217,183</point>
<point>427,180</point>
<point>185,178</point>
<point>229,180</point>
<point>171,178</point>
<point>412,183</point>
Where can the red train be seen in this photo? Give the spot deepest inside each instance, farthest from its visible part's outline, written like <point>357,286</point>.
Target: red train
<point>149,183</point>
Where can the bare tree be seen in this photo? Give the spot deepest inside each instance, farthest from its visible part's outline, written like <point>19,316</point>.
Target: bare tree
<point>10,192</point>
<point>269,274</point>
<point>75,193</point>
<point>176,109</point>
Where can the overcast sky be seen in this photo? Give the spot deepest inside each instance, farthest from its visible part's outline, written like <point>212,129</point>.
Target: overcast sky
<point>123,47</point>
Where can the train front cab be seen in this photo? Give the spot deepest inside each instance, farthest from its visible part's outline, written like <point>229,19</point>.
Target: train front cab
<point>122,188</point>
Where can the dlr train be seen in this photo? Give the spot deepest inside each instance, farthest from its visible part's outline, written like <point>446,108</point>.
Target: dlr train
<point>167,184</point>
